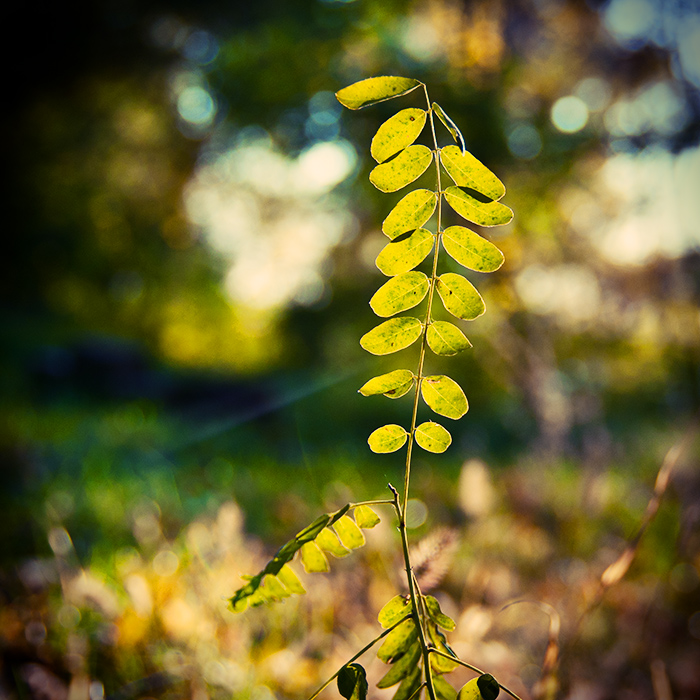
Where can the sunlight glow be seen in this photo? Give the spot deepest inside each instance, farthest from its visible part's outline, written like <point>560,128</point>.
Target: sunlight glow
<point>569,114</point>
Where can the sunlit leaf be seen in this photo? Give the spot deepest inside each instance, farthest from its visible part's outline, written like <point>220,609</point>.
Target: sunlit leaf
<point>450,125</point>
<point>482,213</point>
<point>327,540</point>
<point>471,250</point>
<point>392,384</point>
<point>291,580</point>
<point>444,396</point>
<point>444,338</point>
<point>459,296</point>
<point>273,588</point>
<point>436,614</point>
<point>432,437</point>
<point>391,336</point>
<point>313,559</point>
<point>388,438</point>
<point>405,252</point>
<point>467,171</point>
<point>410,213</point>
<point>401,668</point>
<point>365,517</point>
<point>398,641</point>
<point>372,90</point>
<point>397,132</point>
<point>439,663</point>
<point>485,687</point>
<point>398,607</point>
<point>443,689</point>
<point>398,172</point>
<point>352,682</point>
<point>409,685</point>
<point>349,533</point>
<point>400,293</point>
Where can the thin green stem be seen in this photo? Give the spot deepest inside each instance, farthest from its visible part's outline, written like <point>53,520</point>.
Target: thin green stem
<point>377,502</point>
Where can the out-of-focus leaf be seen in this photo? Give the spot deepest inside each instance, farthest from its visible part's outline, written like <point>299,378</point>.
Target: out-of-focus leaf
<point>392,384</point>
<point>328,541</point>
<point>409,685</point>
<point>404,253</point>
<point>352,682</point>
<point>432,437</point>
<point>471,250</point>
<point>349,533</point>
<point>467,171</point>
<point>398,172</point>
<point>398,641</point>
<point>392,336</point>
<point>400,293</point>
<point>388,438</point>
<point>398,607</point>
<point>401,668</point>
<point>313,559</point>
<point>450,125</point>
<point>444,396</point>
<point>443,689</point>
<point>372,90</point>
<point>397,132</point>
<point>291,580</point>
<point>436,614</point>
<point>444,338</point>
<point>365,517</point>
<point>459,296</point>
<point>410,213</point>
<point>482,213</point>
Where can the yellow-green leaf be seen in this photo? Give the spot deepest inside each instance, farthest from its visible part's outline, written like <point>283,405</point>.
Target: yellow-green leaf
<point>392,384</point>
<point>471,250</point>
<point>352,682</point>
<point>398,641</point>
<point>443,689</point>
<point>467,171</point>
<point>444,396</point>
<point>410,213</point>
<point>328,541</point>
<point>482,213</point>
<point>372,90</point>
<point>393,611</point>
<point>402,668</point>
<point>313,559</point>
<point>290,580</point>
<point>460,296</point>
<point>388,438</point>
<point>273,589</point>
<point>400,293</point>
<point>349,533</point>
<point>405,252</point>
<point>444,338</point>
<point>449,124</point>
<point>485,687</point>
<point>365,517</point>
<point>392,336</point>
<point>439,663</point>
<point>432,437</point>
<point>396,133</point>
<point>410,685</point>
<point>398,172</point>
<point>436,614</point>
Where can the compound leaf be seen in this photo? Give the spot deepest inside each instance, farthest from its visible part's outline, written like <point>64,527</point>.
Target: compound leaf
<point>398,607</point>
<point>388,438</point>
<point>392,335</point>
<point>444,396</point>
<point>436,614</point>
<point>471,250</point>
<point>372,90</point>
<point>410,213</point>
<point>313,559</point>
<point>467,171</point>
<point>392,384</point>
<point>405,252</point>
<point>459,296</point>
<point>408,166</point>
<point>444,338</point>
<point>400,293</point>
<point>450,125</point>
<point>398,641</point>
<point>352,682</point>
<point>328,541</point>
<point>397,132</point>
<point>349,533</point>
<point>432,437</point>
<point>482,213</point>
<point>365,517</point>
<point>402,668</point>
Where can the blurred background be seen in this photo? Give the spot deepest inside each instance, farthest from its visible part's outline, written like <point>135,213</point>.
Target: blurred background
<point>189,252</point>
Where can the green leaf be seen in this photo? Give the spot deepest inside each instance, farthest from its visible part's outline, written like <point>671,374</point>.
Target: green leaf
<point>273,589</point>
<point>365,517</point>
<point>409,685</point>
<point>450,125</point>
<point>352,682</point>
<point>485,687</point>
<point>471,250</point>
<point>392,336</point>
<point>400,293</point>
<point>408,166</point>
<point>349,533</point>
<point>398,607</point>
<point>444,396</point>
<point>410,213</point>
<point>467,171</point>
<point>396,133</point>
<point>402,668</point>
<point>432,437</point>
<point>436,614</point>
<point>388,438</point>
<point>398,641</point>
<point>290,580</point>
<point>444,338</point>
<point>393,384</point>
<point>372,90</point>
<point>439,663</point>
<point>313,559</point>
<point>460,296</point>
<point>443,689</point>
<point>328,541</point>
<point>405,252</point>
<point>482,213</point>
